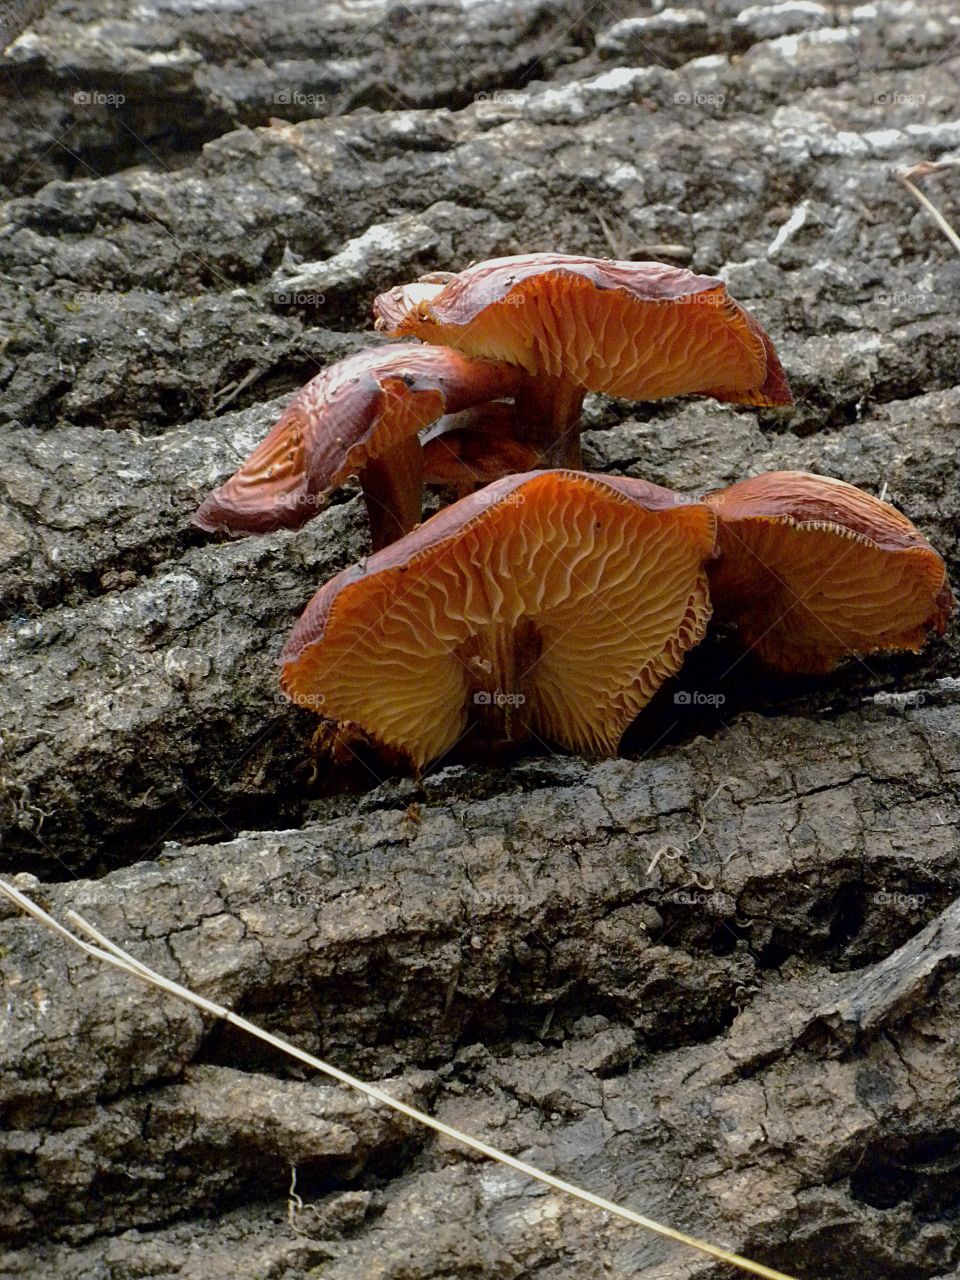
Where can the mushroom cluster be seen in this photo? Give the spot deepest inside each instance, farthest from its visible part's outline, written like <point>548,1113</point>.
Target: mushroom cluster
<point>507,351</point>
<point>546,601</point>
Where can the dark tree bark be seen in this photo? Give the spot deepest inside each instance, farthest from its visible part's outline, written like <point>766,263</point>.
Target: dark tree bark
<point>717,978</point>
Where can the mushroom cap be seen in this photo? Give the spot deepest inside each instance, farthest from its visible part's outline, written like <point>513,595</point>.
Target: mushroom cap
<point>641,330</point>
<point>352,412</point>
<point>812,570</point>
<point>590,588</point>
<point>475,447</point>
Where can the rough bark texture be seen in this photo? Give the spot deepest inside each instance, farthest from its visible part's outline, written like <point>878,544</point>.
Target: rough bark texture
<point>718,979</point>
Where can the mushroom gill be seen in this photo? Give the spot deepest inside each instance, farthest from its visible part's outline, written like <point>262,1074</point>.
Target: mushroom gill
<point>640,330</point>
<point>812,570</point>
<point>552,604</point>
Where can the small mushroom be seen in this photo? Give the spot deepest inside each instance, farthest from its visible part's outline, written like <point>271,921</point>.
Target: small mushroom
<point>553,603</point>
<point>467,450</point>
<point>641,330</point>
<point>812,570</point>
<point>359,417</point>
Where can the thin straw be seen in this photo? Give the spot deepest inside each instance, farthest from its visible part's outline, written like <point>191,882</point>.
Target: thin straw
<point>903,176</point>
<point>103,949</point>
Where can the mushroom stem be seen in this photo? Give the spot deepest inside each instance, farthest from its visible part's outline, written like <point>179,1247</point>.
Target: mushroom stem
<point>392,486</point>
<point>548,416</point>
<point>498,659</point>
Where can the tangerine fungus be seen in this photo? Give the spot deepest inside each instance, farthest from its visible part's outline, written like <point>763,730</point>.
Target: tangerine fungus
<point>552,603</point>
<point>812,570</point>
<point>642,330</point>
<point>358,417</point>
<point>465,451</point>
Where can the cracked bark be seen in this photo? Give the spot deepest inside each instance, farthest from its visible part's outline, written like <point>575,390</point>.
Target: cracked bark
<point>716,979</point>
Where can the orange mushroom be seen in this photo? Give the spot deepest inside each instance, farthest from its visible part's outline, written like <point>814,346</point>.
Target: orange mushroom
<point>812,570</point>
<point>465,451</point>
<point>641,330</point>
<point>359,417</point>
<point>552,603</point>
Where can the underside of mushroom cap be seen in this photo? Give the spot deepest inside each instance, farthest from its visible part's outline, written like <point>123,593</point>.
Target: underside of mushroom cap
<point>351,414</point>
<point>641,330</point>
<point>552,603</point>
<point>812,570</point>
<point>464,451</point>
